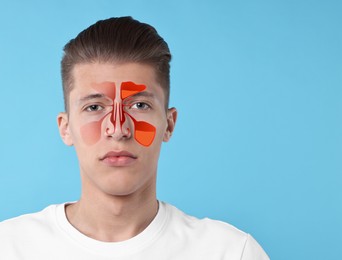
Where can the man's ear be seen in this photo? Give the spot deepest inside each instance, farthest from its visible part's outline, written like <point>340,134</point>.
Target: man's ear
<point>171,123</point>
<point>63,125</point>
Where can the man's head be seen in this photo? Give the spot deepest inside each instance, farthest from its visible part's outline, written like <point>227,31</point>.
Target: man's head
<point>116,85</point>
<point>117,40</point>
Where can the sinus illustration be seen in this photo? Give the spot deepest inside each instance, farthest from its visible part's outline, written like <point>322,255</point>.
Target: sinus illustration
<point>117,119</point>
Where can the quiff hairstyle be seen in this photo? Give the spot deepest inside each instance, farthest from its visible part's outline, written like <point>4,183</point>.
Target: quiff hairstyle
<point>117,40</point>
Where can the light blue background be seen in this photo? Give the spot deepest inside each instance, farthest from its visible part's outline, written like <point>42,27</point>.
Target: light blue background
<point>258,88</point>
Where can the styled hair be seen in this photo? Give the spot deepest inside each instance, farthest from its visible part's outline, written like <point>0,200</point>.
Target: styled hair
<point>117,40</point>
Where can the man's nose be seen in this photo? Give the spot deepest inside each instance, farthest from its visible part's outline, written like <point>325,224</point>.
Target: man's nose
<point>118,126</point>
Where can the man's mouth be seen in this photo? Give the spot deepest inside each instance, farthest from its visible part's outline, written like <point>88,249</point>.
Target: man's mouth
<point>118,158</point>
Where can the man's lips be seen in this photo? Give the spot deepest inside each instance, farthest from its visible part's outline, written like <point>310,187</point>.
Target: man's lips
<point>118,154</point>
<point>118,158</point>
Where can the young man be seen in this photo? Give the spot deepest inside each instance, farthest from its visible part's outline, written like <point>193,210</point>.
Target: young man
<point>116,91</point>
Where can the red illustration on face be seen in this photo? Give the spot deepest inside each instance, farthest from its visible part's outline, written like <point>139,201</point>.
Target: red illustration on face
<point>118,119</point>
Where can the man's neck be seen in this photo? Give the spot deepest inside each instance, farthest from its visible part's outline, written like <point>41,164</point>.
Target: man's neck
<point>113,218</point>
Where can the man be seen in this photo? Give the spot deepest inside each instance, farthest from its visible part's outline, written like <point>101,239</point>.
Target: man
<point>116,90</point>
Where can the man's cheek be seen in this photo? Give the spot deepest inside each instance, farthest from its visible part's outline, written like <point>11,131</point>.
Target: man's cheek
<point>144,132</point>
<point>91,132</point>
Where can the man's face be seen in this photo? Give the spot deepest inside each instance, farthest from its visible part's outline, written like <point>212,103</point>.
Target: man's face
<point>117,122</point>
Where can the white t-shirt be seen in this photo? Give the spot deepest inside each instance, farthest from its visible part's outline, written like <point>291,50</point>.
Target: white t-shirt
<point>171,235</point>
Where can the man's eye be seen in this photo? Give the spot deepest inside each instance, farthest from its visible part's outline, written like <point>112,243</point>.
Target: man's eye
<point>140,106</point>
<point>94,108</point>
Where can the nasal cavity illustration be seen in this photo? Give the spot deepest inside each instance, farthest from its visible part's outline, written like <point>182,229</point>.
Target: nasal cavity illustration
<point>117,119</point>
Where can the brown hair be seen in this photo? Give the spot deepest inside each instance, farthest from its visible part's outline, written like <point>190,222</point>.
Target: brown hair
<point>121,39</point>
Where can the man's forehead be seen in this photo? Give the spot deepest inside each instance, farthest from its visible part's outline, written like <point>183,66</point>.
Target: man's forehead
<point>85,75</point>
<point>114,72</point>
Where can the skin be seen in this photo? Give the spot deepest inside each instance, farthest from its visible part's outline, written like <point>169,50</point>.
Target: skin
<point>118,200</point>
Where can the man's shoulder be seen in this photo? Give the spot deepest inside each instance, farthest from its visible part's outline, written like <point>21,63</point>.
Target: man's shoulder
<point>27,222</point>
<point>209,235</point>
<point>25,235</point>
<point>214,228</point>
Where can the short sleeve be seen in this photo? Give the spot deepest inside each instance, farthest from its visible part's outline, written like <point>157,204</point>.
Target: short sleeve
<point>253,251</point>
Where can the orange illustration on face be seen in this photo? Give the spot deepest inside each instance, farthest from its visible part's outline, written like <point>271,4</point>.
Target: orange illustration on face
<point>117,119</point>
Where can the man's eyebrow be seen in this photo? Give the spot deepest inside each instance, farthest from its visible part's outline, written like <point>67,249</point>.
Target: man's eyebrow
<point>143,94</point>
<point>99,95</point>
<point>92,96</point>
